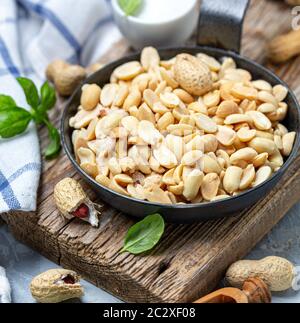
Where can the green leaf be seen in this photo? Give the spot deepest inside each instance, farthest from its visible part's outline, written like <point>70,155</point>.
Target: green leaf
<point>7,102</point>
<point>30,91</point>
<point>144,235</point>
<point>130,7</point>
<point>48,98</point>
<point>13,121</point>
<point>54,147</point>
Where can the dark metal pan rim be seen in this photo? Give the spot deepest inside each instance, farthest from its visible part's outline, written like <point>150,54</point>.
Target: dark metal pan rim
<point>212,51</point>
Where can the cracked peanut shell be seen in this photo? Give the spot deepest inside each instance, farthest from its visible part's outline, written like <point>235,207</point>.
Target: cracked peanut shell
<point>56,285</point>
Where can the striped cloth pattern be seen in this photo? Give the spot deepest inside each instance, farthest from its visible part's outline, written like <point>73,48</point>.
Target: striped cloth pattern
<point>32,34</point>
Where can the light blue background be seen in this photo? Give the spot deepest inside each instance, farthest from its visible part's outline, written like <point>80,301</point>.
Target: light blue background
<point>22,263</point>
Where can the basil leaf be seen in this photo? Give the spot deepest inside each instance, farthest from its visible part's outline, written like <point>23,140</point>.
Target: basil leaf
<point>130,7</point>
<point>30,91</point>
<point>13,121</point>
<point>7,102</point>
<point>144,235</point>
<point>48,98</point>
<point>53,149</point>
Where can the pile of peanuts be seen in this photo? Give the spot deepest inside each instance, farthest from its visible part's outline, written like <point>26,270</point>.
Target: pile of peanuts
<point>187,130</point>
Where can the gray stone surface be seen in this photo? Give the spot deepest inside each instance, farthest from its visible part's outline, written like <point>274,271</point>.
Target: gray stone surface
<point>22,263</point>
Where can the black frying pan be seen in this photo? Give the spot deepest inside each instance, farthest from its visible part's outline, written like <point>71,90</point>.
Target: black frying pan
<point>220,25</point>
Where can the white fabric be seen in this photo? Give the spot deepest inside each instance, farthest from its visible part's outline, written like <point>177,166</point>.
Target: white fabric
<point>5,290</point>
<point>32,34</point>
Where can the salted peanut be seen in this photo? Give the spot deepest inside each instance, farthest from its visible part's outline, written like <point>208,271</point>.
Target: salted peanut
<point>90,168</point>
<point>102,165</point>
<point>86,156</point>
<point>90,97</point>
<point>157,195</point>
<point>178,172</point>
<point>184,96</point>
<point>228,63</point>
<point>121,96</point>
<point>266,108</point>
<point>260,121</point>
<point>210,186</point>
<point>131,124</point>
<point>114,166</point>
<point>192,184</point>
<point>103,180</point>
<point>148,133</point>
<point>108,94</point>
<point>166,120</point>
<point>237,118</point>
<point>262,85</point>
<point>176,145</point>
<point>133,111</point>
<point>247,177</point>
<point>278,142</point>
<point>226,136</point>
<point>245,154</point>
<point>155,166</point>
<point>170,100</point>
<point>168,178</point>
<point>209,165</point>
<point>225,92</point>
<point>107,124</point>
<point>127,164</point>
<point>191,157</point>
<point>161,88</point>
<point>227,108</point>
<point>90,133</point>
<point>246,134</point>
<point>123,180</point>
<point>247,105</point>
<point>210,61</point>
<point>262,145</point>
<point>136,191</point>
<point>180,130</point>
<point>176,189</point>
<point>133,99</point>
<point>150,97</point>
<point>232,179</point>
<point>264,134</point>
<point>197,143</point>
<point>193,75</point>
<point>150,58</point>
<point>141,82</point>
<point>165,157</point>
<point>119,132</point>
<point>281,129</point>
<point>198,108</point>
<point>276,159</point>
<point>145,113</point>
<point>153,180</point>
<point>281,112</point>
<point>113,185</point>
<point>205,123</point>
<point>188,120</point>
<point>220,197</point>
<point>260,160</point>
<point>223,155</point>
<point>168,77</point>
<point>83,118</point>
<point>128,71</point>
<point>267,97</point>
<point>212,99</point>
<point>280,92</point>
<point>243,92</point>
<point>237,75</point>
<point>159,108</point>
<point>180,112</point>
<point>288,143</point>
<point>262,175</point>
<point>210,143</point>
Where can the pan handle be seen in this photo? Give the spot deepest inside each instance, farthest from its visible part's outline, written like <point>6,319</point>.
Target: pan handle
<point>221,23</point>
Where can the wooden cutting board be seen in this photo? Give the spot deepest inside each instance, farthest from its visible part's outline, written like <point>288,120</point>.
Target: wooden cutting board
<point>190,260</point>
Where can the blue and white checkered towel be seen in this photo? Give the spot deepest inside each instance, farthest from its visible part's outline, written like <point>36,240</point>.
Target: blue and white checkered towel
<point>32,34</point>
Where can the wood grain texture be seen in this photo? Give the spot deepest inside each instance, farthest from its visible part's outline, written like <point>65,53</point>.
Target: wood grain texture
<point>190,260</point>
